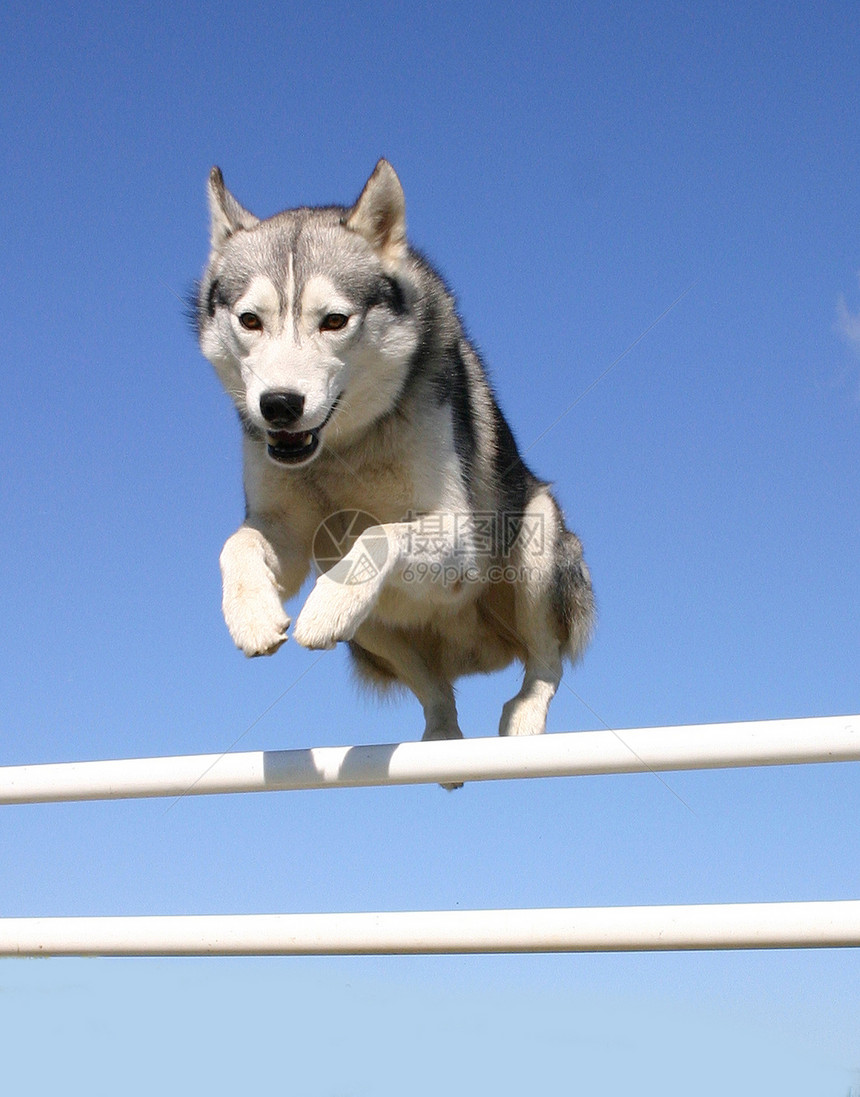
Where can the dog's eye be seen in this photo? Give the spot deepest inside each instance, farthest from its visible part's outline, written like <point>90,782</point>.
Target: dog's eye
<point>250,321</point>
<point>333,321</point>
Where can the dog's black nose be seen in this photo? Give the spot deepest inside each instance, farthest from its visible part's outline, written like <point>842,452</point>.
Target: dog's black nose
<point>282,408</point>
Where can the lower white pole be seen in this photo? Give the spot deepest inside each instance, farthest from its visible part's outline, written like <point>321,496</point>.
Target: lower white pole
<point>637,750</point>
<point>590,929</point>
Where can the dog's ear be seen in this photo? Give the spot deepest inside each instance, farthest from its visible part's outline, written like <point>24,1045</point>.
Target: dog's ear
<point>227,216</point>
<point>379,215</point>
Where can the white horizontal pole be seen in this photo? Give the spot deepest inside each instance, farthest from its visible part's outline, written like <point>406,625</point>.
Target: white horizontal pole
<point>637,750</point>
<point>590,929</point>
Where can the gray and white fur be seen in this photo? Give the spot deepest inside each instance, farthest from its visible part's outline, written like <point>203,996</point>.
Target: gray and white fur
<point>368,421</point>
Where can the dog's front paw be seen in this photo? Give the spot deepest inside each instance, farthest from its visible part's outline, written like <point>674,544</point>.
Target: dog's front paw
<point>333,612</point>
<point>256,620</point>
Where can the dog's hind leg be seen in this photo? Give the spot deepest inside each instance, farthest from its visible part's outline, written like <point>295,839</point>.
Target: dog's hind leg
<point>526,713</point>
<point>390,653</point>
<point>553,611</point>
<point>405,665</point>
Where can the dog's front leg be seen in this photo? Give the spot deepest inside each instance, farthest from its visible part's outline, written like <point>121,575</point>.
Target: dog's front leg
<point>255,584</point>
<point>344,596</point>
<point>398,554</point>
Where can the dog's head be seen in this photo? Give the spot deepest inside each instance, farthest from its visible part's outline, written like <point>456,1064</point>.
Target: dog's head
<point>307,316</point>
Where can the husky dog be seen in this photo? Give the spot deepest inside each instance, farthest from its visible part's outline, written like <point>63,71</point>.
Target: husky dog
<point>374,449</point>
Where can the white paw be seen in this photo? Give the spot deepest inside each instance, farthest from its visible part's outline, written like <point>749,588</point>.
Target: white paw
<point>522,717</point>
<point>256,620</point>
<point>333,612</point>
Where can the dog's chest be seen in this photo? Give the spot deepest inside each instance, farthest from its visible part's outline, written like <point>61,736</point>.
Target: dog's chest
<point>385,490</point>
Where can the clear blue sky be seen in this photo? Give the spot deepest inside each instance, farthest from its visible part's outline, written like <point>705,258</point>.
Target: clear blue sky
<point>572,169</point>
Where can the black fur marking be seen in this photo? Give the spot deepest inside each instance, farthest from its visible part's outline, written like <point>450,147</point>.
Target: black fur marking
<point>212,298</point>
<point>391,294</point>
<point>462,411</point>
<point>517,484</point>
<point>198,305</point>
<point>385,292</point>
<point>446,373</point>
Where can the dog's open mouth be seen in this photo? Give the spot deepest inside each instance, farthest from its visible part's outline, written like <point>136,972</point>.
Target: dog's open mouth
<point>288,447</point>
<point>292,449</point>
